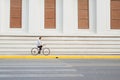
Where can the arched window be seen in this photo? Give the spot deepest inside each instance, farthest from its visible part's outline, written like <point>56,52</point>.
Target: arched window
<point>115,14</point>
<point>15,13</point>
<point>50,14</point>
<point>83,14</point>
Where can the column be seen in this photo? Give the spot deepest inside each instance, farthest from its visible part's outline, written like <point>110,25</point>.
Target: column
<point>4,15</point>
<point>103,16</point>
<point>36,16</point>
<point>69,16</point>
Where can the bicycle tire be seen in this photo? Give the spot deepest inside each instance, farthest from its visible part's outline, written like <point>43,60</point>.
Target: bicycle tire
<point>34,51</point>
<point>46,51</point>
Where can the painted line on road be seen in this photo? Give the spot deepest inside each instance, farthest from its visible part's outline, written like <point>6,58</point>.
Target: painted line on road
<point>39,75</point>
<point>20,66</point>
<point>37,70</point>
<point>60,57</point>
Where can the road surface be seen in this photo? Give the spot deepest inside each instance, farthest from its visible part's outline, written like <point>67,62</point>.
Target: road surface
<point>59,69</point>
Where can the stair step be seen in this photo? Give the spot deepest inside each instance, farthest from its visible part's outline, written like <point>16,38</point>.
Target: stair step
<point>61,44</point>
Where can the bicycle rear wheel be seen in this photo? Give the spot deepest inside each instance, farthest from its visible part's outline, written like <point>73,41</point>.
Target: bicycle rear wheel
<point>34,51</point>
<point>46,51</point>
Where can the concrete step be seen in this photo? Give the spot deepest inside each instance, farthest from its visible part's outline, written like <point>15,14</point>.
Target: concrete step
<point>61,45</point>
<point>84,46</point>
<point>84,38</point>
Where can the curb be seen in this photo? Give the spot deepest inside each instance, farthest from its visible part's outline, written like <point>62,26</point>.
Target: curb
<point>60,57</point>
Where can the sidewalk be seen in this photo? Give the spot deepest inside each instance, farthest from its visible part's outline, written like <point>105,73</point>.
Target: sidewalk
<point>60,57</point>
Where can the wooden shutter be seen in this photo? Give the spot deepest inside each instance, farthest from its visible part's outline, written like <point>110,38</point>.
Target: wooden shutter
<point>83,14</point>
<point>50,14</point>
<point>15,13</point>
<point>115,14</point>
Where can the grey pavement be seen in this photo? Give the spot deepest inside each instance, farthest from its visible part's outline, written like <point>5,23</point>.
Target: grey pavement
<point>59,69</point>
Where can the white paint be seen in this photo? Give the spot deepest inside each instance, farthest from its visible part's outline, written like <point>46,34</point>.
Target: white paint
<point>60,45</point>
<point>35,16</point>
<point>102,19</point>
<point>40,75</point>
<point>0,14</point>
<point>59,16</point>
<point>66,19</point>
<point>69,16</point>
<point>92,19</point>
<point>92,15</point>
<point>21,66</point>
<point>25,15</point>
<point>38,70</point>
<point>5,16</point>
<point>59,20</point>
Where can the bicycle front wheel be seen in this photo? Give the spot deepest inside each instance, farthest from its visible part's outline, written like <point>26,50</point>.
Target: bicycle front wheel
<point>46,51</point>
<point>34,51</point>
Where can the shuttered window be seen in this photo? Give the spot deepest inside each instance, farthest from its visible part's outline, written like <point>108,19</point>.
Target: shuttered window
<point>50,14</point>
<point>83,14</point>
<point>115,14</point>
<point>15,13</point>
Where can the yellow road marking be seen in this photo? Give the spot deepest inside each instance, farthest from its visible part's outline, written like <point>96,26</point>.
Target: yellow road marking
<point>60,57</point>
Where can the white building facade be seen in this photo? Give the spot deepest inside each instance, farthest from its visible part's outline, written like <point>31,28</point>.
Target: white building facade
<point>66,14</point>
<point>89,26</point>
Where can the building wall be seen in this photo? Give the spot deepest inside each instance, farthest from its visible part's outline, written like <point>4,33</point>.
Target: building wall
<point>66,18</point>
<point>98,36</point>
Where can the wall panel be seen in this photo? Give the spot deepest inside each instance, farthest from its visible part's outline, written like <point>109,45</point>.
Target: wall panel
<point>115,14</point>
<point>50,14</point>
<point>15,13</point>
<point>83,14</point>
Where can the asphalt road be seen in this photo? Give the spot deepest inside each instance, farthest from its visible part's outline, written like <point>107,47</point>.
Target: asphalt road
<point>59,69</point>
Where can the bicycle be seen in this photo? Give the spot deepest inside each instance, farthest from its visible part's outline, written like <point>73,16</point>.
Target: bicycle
<point>44,50</point>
